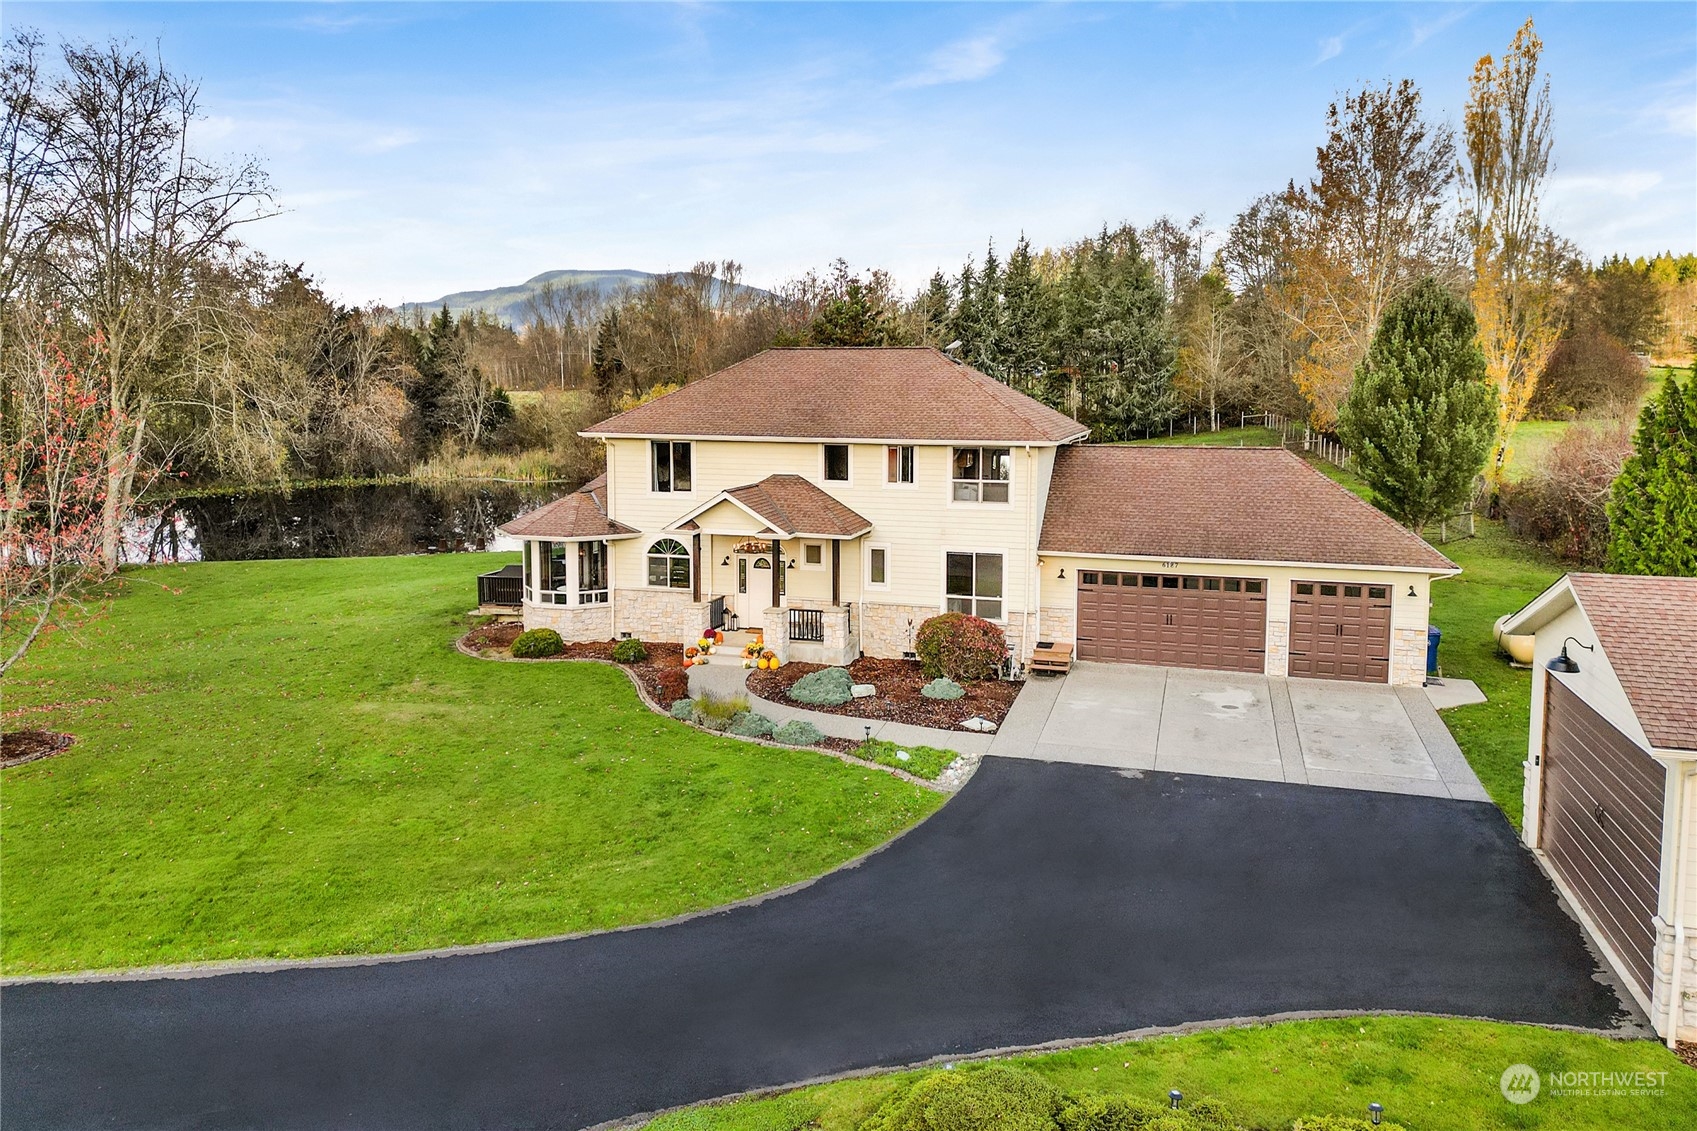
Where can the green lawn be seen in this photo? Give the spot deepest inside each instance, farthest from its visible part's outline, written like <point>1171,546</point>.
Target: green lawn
<point>1430,1074</point>
<point>923,761</point>
<point>1253,436</point>
<point>290,759</point>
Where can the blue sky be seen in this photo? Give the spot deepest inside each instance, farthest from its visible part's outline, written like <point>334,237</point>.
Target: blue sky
<point>422,148</point>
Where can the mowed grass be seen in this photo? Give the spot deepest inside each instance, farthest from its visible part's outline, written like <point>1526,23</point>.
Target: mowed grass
<point>1252,436</point>
<point>284,759</point>
<point>1430,1074</point>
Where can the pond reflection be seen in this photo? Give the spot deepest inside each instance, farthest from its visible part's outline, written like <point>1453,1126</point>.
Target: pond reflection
<point>333,522</point>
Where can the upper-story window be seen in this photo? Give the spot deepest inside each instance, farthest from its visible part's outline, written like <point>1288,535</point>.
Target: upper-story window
<point>670,464</point>
<point>836,463</point>
<point>901,467</point>
<point>981,475</point>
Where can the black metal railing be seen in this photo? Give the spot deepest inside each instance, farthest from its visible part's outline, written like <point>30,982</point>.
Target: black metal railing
<point>716,613</point>
<point>502,587</point>
<point>807,625</point>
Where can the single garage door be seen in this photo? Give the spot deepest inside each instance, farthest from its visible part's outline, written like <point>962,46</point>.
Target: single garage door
<point>1340,631</point>
<point>1181,622</point>
<point>1600,824</point>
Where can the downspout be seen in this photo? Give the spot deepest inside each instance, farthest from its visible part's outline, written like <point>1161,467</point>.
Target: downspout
<point>1676,988</point>
<point>1034,578</point>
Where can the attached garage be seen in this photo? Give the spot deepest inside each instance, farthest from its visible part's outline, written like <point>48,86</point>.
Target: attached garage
<point>1601,823</point>
<point>1340,631</point>
<point>1172,620</point>
<point>1236,559</point>
<point>1611,775</point>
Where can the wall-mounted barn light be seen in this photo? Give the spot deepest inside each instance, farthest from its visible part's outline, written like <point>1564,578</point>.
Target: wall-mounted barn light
<point>1564,663</point>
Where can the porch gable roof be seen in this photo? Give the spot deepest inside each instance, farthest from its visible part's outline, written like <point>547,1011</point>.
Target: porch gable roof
<point>789,506</point>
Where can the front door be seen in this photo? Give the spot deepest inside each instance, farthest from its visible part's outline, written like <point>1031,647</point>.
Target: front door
<point>752,591</point>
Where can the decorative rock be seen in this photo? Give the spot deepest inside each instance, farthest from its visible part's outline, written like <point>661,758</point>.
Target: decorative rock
<point>903,756</point>
<point>979,723</point>
<point>863,690</point>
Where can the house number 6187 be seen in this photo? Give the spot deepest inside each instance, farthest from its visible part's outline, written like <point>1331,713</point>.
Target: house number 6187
<point>1169,565</point>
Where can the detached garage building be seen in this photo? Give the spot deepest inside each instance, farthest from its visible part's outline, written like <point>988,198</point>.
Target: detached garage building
<point>1611,803</point>
<point>1241,559</point>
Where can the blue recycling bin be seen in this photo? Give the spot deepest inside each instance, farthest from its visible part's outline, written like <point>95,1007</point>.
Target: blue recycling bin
<point>1433,635</point>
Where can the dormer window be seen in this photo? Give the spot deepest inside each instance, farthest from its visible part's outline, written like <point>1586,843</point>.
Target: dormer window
<point>670,461</point>
<point>981,475</point>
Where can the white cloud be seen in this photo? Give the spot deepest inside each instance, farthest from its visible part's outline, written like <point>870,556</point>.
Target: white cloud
<point>1419,33</point>
<point>1330,48</point>
<point>964,60</point>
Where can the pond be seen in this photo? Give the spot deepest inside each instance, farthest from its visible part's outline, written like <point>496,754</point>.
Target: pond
<point>333,522</point>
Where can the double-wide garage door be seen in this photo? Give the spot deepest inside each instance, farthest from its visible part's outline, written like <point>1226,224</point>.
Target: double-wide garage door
<point>1600,824</point>
<point>1172,621</point>
<point>1340,631</point>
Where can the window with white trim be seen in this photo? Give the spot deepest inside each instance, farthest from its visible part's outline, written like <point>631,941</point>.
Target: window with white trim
<point>981,475</point>
<point>973,584</point>
<point>836,463</point>
<point>670,464</point>
<point>899,460</point>
<point>878,567</point>
<point>668,565</point>
<point>813,555</point>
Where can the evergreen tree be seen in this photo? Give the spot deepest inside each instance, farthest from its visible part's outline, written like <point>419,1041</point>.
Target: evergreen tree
<point>1116,338</point>
<point>1020,356</point>
<point>1653,509</point>
<point>606,365</point>
<point>852,318</point>
<point>934,313</point>
<point>1421,416</point>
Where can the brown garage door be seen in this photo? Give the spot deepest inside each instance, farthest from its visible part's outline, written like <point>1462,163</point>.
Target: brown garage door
<point>1340,631</point>
<point>1600,824</point>
<point>1181,622</point>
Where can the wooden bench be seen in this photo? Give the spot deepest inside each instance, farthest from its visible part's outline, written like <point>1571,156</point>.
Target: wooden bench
<point>1051,657</point>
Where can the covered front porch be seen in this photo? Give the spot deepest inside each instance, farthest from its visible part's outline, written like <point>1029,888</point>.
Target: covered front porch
<point>785,556</point>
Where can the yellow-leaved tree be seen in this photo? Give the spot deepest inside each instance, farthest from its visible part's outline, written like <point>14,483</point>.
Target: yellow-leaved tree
<point>1518,263</point>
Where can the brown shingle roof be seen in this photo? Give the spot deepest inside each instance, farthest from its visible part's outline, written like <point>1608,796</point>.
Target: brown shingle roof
<point>848,394</point>
<point>1227,504</point>
<point>1648,629</point>
<point>791,505</point>
<point>581,514</point>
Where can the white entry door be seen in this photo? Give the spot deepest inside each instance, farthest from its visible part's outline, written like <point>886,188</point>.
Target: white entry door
<point>752,591</point>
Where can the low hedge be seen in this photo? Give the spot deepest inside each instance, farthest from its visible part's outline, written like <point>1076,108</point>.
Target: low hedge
<point>828,687</point>
<point>538,644</point>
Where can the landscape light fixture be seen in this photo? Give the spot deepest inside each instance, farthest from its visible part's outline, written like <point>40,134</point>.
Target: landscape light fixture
<point>1374,1112</point>
<point>1173,1098</point>
<point>1564,663</point>
<point>868,729</point>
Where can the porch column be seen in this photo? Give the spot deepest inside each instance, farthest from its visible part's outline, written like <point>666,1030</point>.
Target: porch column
<point>536,563</point>
<point>695,568</point>
<point>777,564</point>
<point>836,571</point>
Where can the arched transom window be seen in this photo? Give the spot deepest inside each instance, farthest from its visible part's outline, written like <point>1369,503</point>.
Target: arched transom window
<point>668,564</point>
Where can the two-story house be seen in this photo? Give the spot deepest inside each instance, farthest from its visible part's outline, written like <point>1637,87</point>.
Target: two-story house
<point>836,498</point>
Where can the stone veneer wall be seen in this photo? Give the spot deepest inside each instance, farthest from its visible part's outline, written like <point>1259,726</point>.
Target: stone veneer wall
<point>841,644</point>
<point>574,623</point>
<point>886,631</point>
<point>1278,648</point>
<point>1663,985</point>
<point>661,615</point>
<point>1059,625</point>
<point>1408,657</point>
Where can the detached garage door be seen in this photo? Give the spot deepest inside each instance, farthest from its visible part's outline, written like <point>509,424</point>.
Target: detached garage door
<point>1340,631</point>
<point>1180,622</point>
<point>1601,824</point>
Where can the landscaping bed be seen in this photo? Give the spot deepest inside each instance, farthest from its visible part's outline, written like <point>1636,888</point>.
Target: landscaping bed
<point>20,746</point>
<point>661,675</point>
<point>898,699</point>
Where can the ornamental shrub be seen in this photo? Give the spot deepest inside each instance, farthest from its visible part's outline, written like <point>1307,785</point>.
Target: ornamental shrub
<point>798,732</point>
<point>717,712</point>
<point>943,688</point>
<point>995,1098</point>
<point>828,687</point>
<point>684,710</point>
<point>630,651</point>
<point>1123,1113</point>
<point>1341,1123</point>
<point>960,647</point>
<point>538,644</point>
<point>751,725</point>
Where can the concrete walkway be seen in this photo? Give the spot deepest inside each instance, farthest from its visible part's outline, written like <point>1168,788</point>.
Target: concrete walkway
<point>731,679</point>
<point>1303,731</point>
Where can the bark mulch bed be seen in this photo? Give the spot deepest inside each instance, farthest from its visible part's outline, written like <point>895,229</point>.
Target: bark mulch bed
<point>1687,1052</point>
<point>20,746</point>
<point>662,675</point>
<point>898,699</point>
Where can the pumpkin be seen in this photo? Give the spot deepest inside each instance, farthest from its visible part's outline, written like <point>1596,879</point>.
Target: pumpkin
<point>691,652</point>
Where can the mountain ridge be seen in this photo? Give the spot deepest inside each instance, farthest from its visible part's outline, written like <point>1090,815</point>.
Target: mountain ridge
<point>507,303</point>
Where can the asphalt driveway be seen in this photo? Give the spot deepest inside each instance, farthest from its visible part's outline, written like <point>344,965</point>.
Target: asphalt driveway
<point>1231,724</point>
<point>1045,901</point>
